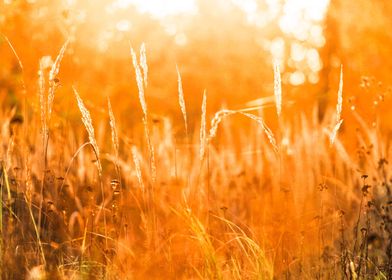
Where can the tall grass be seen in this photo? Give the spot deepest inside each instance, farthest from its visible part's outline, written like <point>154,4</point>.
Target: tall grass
<point>115,140</point>
<point>277,89</point>
<point>181,100</point>
<point>142,99</point>
<point>256,224</point>
<point>339,106</point>
<point>203,123</point>
<point>88,124</point>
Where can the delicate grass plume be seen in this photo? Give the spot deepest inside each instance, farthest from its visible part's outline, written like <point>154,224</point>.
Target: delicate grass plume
<point>139,82</point>
<point>203,137</point>
<point>53,79</point>
<point>339,104</point>
<point>182,100</point>
<point>277,89</point>
<point>88,124</point>
<point>339,107</point>
<point>218,118</point>
<point>140,85</point>
<point>42,96</point>
<point>143,63</point>
<point>136,161</point>
<point>112,122</point>
<point>87,121</point>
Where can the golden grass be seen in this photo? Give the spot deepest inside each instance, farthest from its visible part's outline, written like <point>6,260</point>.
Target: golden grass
<point>203,133</point>
<point>277,89</point>
<point>136,161</point>
<point>88,124</point>
<point>220,115</point>
<point>53,83</point>
<point>113,128</point>
<point>143,63</point>
<point>181,100</point>
<point>143,103</point>
<point>339,107</point>
<point>245,214</point>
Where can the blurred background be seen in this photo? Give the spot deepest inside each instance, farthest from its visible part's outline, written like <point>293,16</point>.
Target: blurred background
<point>224,46</point>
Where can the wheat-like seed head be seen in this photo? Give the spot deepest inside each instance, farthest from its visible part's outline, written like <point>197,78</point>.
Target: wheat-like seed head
<point>52,75</point>
<point>334,132</point>
<point>339,106</point>
<point>143,63</point>
<point>113,129</point>
<point>136,161</point>
<point>42,97</point>
<point>87,121</point>
<point>182,100</point>
<point>56,65</point>
<point>217,119</point>
<point>277,89</point>
<point>265,128</point>
<point>139,81</point>
<point>203,125</point>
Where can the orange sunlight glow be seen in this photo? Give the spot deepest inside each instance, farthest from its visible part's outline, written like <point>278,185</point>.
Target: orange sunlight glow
<point>158,8</point>
<point>195,139</point>
<point>300,19</point>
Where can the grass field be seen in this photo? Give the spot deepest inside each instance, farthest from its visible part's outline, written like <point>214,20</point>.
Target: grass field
<point>268,191</point>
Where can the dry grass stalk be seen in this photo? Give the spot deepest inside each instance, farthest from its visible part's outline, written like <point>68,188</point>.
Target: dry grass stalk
<point>53,79</point>
<point>42,97</point>
<point>113,130</point>
<point>143,63</point>
<point>265,128</point>
<point>339,106</point>
<point>136,161</point>
<point>334,132</point>
<point>203,125</point>
<point>139,81</point>
<point>182,100</point>
<point>218,117</point>
<point>14,51</point>
<point>87,121</point>
<point>277,89</point>
<point>151,150</point>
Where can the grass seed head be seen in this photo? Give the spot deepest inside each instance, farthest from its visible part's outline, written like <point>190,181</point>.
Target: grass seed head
<point>277,89</point>
<point>88,124</point>
<point>143,63</point>
<point>339,107</point>
<point>203,125</point>
<point>182,100</point>
<point>52,78</point>
<point>136,161</point>
<point>339,104</point>
<point>113,129</point>
<point>139,81</point>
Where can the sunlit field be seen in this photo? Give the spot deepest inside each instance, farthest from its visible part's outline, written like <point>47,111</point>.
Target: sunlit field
<point>195,139</point>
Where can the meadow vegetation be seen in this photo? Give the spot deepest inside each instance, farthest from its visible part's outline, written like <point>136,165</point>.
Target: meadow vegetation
<point>236,195</point>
